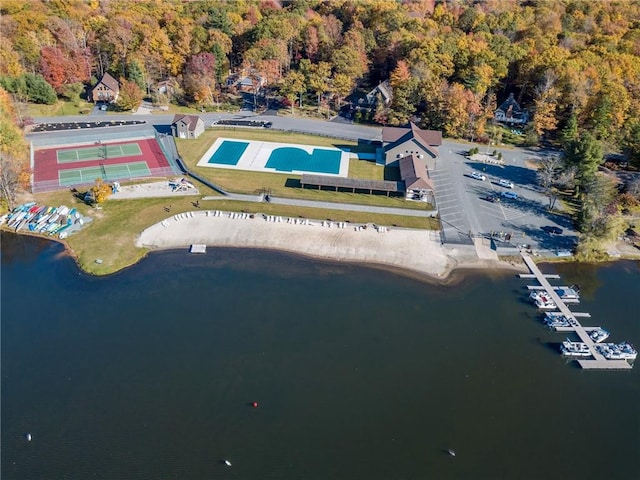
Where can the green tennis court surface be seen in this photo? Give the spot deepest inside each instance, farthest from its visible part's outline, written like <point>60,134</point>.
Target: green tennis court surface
<point>98,152</point>
<point>74,176</point>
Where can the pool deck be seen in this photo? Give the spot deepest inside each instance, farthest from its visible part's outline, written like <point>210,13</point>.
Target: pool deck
<point>599,362</point>
<point>257,153</point>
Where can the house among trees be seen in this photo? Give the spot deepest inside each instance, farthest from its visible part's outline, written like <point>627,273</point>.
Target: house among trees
<point>382,92</point>
<point>166,87</point>
<point>248,81</point>
<point>106,90</point>
<point>187,126</point>
<point>511,113</point>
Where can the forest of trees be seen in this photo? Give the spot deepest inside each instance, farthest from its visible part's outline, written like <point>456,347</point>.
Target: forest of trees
<point>449,62</point>
<point>573,64</point>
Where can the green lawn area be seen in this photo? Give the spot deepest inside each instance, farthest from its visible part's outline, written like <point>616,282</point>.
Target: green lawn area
<point>61,107</point>
<point>288,185</point>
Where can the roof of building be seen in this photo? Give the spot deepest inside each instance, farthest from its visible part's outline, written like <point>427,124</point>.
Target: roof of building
<point>190,120</point>
<point>510,105</point>
<point>432,138</point>
<point>360,184</point>
<point>384,88</point>
<point>427,139</point>
<point>414,173</point>
<point>110,82</point>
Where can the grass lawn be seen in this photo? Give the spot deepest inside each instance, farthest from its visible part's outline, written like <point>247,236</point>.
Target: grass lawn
<point>117,223</point>
<point>61,107</point>
<point>288,185</point>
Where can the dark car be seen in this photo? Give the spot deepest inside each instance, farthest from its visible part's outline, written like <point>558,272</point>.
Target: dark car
<point>553,230</point>
<point>491,198</point>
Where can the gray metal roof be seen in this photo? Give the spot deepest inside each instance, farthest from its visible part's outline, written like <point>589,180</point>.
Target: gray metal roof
<point>360,184</point>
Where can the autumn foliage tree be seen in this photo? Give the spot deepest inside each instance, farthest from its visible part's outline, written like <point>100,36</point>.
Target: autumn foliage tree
<point>14,167</point>
<point>100,191</point>
<point>130,96</point>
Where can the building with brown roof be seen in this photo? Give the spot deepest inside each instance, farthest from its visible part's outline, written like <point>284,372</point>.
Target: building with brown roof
<point>187,126</point>
<point>399,142</point>
<point>106,90</point>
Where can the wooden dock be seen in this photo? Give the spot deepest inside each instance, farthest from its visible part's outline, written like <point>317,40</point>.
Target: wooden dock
<point>598,361</point>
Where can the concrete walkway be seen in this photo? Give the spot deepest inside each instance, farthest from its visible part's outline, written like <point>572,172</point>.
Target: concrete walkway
<point>327,205</point>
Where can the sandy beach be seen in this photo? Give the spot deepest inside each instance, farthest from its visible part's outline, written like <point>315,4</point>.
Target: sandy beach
<point>417,251</point>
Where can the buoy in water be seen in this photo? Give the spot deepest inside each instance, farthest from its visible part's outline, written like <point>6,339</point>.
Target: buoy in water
<point>227,463</point>
<point>254,404</point>
<point>452,453</point>
<point>28,437</point>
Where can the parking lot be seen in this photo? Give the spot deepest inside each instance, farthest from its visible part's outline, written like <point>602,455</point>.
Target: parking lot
<point>469,205</point>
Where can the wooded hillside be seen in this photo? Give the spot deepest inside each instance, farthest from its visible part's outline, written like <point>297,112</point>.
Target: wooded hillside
<point>450,63</point>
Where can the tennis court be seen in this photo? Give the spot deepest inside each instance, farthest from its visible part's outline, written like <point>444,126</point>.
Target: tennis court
<point>74,176</point>
<point>276,157</point>
<point>98,152</point>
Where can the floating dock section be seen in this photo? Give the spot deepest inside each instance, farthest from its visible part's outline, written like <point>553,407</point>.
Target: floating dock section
<point>599,362</point>
<point>198,248</point>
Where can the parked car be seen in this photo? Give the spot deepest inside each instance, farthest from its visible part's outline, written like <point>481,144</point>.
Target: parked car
<point>103,107</point>
<point>509,194</point>
<point>491,198</point>
<point>552,229</point>
<point>478,176</point>
<point>505,183</point>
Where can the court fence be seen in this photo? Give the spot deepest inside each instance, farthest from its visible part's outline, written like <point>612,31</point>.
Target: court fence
<point>88,138</point>
<point>52,185</point>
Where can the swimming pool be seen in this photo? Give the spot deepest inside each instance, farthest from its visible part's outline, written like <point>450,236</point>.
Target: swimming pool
<point>287,158</point>
<point>293,159</point>
<point>228,153</point>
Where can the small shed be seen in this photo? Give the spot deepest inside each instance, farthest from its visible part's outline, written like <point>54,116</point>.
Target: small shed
<point>187,126</point>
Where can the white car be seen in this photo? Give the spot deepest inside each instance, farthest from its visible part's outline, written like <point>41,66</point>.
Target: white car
<point>505,183</point>
<point>509,194</point>
<point>478,176</point>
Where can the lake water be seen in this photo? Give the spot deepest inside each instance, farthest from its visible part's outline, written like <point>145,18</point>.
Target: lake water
<point>359,373</point>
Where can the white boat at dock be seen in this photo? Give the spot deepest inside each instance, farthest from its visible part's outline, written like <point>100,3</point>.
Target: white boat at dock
<point>542,300</point>
<point>599,334</point>
<point>617,351</point>
<point>555,320</point>
<point>568,293</point>
<point>575,349</point>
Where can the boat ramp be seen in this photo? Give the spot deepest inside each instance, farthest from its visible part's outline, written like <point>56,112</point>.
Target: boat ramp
<point>597,360</point>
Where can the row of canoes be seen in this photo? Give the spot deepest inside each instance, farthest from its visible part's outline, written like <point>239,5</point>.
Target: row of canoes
<point>43,219</point>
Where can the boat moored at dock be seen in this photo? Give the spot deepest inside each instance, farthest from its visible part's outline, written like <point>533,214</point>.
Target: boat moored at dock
<point>599,334</point>
<point>575,349</point>
<point>617,351</point>
<point>542,300</point>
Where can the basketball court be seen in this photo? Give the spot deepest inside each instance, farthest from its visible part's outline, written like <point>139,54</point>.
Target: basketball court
<point>276,157</point>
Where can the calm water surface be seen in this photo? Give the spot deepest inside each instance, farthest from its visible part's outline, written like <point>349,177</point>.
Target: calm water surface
<point>359,373</point>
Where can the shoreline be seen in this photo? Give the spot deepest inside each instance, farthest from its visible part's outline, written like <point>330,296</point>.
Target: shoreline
<point>416,253</point>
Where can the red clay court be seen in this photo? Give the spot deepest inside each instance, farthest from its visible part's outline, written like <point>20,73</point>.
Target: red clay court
<point>61,167</point>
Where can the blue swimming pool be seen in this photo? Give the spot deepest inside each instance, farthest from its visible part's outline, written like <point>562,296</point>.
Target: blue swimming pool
<point>228,153</point>
<point>289,159</point>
